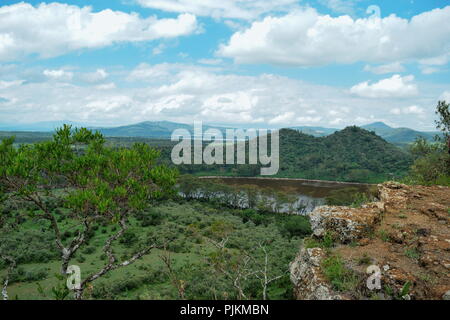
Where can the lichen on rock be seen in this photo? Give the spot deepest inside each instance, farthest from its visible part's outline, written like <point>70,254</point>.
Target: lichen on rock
<point>307,277</point>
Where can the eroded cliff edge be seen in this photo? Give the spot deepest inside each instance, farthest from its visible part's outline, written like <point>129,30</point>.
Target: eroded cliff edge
<point>405,235</point>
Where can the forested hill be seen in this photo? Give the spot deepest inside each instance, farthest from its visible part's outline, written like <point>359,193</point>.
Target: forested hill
<point>352,154</point>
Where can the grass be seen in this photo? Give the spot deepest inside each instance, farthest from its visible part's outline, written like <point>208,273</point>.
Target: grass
<point>146,278</point>
<point>364,260</point>
<point>341,278</point>
<point>384,236</point>
<point>412,253</point>
<point>326,242</point>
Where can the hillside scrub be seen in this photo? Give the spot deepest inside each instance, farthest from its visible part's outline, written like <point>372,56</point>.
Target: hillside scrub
<point>75,176</point>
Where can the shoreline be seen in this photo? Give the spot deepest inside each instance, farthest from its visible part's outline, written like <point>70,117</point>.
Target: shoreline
<point>290,179</point>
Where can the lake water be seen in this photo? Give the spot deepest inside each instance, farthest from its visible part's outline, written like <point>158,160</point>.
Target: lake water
<point>311,193</point>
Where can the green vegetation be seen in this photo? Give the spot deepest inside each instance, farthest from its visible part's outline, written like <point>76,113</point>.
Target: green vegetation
<point>341,277</point>
<point>365,259</point>
<point>326,242</point>
<point>432,159</point>
<point>352,154</point>
<point>412,253</point>
<point>192,232</point>
<point>384,235</point>
<point>119,216</point>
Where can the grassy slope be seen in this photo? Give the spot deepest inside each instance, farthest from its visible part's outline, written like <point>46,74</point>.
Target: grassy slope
<point>147,272</point>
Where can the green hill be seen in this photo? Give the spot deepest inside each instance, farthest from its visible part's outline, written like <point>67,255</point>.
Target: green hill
<point>352,154</point>
<point>397,136</point>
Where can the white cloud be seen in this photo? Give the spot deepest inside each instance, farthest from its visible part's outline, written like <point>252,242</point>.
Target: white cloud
<point>445,96</point>
<point>183,93</point>
<point>307,38</point>
<point>394,67</point>
<point>59,74</point>
<point>308,120</point>
<point>53,29</point>
<point>340,6</point>
<point>9,84</point>
<point>237,9</point>
<point>210,61</point>
<point>411,110</point>
<point>394,87</point>
<point>96,76</point>
<point>106,86</point>
<point>285,118</point>
<point>436,61</point>
<point>429,70</point>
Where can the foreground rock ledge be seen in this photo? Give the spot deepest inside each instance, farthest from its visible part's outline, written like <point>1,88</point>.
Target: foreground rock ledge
<point>406,233</point>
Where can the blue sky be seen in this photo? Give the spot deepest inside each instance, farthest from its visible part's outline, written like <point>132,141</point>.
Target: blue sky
<point>250,62</point>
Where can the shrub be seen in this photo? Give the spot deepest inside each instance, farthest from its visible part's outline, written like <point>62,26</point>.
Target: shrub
<point>129,238</point>
<point>89,250</point>
<point>22,275</point>
<point>152,218</point>
<point>296,226</point>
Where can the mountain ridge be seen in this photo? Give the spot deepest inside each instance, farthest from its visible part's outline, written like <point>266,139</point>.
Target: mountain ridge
<point>164,129</point>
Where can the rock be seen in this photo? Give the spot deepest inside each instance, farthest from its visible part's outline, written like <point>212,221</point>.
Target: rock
<point>347,224</point>
<point>446,295</point>
<point>393,194</point>
<point>306,275</point>
<point>423,232</point>
<point>397,237</point>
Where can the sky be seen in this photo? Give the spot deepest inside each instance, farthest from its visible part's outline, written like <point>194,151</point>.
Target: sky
<point>258,63</point>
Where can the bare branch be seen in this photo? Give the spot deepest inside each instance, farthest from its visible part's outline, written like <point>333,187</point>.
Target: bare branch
<point>12,266</point>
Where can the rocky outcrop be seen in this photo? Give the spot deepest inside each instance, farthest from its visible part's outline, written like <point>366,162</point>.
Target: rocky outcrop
<point>406,234</point>
<point>307,277</point>
<point>346,224</point>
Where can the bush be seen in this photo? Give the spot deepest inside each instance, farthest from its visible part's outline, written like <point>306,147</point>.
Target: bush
<point>21,275</point>
<point>129,238</point>
<point>89,250</point>
<point>296,226</point>
<point>152,218</point>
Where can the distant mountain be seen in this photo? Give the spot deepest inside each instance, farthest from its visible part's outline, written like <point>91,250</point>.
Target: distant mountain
<point>164,129</point>
<point>152,129</point>
<point>315,131</point>
<point>398,136</point>
<point>147,129</point>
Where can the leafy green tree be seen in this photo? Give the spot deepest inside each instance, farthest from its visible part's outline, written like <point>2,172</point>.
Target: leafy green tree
<point>96,183</point>
<point>432,160</point>
<point>443,123</point>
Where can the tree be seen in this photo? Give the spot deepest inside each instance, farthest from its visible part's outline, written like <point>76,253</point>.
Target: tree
<point>432,160</point>
<point>443,123</point>
<point>97,184</point>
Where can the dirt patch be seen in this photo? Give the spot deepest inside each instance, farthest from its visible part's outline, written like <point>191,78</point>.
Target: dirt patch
<point>411,242</point>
